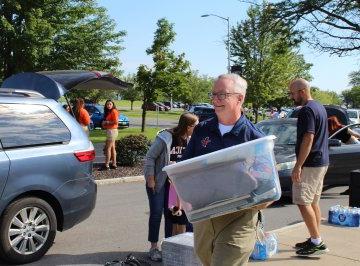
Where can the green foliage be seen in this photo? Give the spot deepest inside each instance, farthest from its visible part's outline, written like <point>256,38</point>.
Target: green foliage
<point>265,51</point>
<point>92,95</point>
<point>330,26</point>
<point>352,97</point>
<point>326,97</point>
<point>131,149</point>
<point>63,34</point>
<point>132,93</point>
<point>170,72</point>
<point>196,89</point>
<point>99,136</point>
<point>355,78</point>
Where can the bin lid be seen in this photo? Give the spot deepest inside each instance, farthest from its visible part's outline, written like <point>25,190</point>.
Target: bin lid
<point>219,156</point>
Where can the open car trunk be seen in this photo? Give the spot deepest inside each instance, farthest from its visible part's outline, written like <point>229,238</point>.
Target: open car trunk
<point>54,84</point>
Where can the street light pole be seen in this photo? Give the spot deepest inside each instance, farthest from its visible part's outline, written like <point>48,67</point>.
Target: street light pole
<point>228,36</point>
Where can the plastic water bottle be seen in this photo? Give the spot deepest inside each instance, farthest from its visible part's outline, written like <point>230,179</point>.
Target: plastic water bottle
<point>266,248</point>
<point>259,252</point>
<point>344,215</point>
<point>271,244</point>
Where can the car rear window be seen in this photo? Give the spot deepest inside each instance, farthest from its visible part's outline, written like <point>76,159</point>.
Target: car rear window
<point>24,125</point>
<point>285,132</point>
<point>352,114</point>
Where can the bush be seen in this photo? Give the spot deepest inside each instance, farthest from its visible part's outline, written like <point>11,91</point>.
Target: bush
<point>131,149</point>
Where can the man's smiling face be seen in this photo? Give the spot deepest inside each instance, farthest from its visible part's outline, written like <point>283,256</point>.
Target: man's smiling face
<point>231,104</point>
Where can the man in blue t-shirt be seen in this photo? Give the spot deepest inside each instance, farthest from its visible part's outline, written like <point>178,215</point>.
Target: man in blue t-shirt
<point>312,160</point>
<point>228,239</point>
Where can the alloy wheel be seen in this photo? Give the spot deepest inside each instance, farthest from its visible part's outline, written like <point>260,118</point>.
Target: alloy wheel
<point>29,230</point>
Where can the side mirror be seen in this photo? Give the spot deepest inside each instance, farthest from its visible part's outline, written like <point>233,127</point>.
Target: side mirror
<point>334,142</point>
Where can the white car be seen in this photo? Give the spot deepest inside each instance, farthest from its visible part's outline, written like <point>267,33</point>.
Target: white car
<point>354,115</point>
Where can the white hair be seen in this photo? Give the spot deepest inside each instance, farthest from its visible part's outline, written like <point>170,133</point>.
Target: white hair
<point>240,84</point>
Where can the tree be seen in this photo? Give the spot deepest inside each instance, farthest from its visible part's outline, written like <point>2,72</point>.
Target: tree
<point>195,89</point>
<point>64,34</point>
<point>328,25</point>
<point>132,93</point>
<point>91,95</point>
<point>145,80</point>
<point>352,97</point>
<point>170,72</point>
<point>355,78</point>
<point>325,97</point>
<point>266,57</point>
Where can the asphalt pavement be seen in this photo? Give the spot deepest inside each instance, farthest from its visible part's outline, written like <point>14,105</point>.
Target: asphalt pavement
<point>118,226</point>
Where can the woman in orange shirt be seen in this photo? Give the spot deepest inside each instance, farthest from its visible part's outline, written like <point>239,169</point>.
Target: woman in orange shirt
<point>81,115</point>
<point>110,123</point>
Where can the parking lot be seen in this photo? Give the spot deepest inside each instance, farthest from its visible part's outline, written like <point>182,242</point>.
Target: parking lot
<point>118,226</point>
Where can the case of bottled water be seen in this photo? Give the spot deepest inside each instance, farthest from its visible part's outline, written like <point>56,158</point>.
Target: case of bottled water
<point>265,248</point>
<point>345,216</point>
<point>178,250</point>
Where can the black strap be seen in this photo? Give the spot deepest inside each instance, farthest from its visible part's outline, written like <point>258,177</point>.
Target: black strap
<point>260,217</point>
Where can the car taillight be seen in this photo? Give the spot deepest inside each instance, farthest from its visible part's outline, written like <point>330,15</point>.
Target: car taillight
<point>85,156</point>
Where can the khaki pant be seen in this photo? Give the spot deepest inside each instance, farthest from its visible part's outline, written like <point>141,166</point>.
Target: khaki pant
<point>226,240</point>
<point>308,190</point>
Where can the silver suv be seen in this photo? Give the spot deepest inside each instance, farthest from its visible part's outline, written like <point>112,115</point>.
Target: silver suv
<point>46,181</point>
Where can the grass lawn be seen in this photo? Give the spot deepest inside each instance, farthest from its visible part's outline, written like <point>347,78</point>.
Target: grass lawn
<point>173,115</point>
<point>124,104</point>
<point>99,135</point>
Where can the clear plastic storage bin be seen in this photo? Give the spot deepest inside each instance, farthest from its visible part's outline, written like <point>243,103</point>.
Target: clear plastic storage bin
<point>227,180</point>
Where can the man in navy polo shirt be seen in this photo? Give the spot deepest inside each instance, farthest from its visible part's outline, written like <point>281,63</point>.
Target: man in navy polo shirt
<point>312,160</point>
<point>228,239</point>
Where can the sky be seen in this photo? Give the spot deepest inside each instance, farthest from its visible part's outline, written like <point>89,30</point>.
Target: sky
<point>202,39</point>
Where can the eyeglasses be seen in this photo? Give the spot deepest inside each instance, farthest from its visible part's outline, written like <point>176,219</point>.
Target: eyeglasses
<point>291,93</point>
<point>222,95</point>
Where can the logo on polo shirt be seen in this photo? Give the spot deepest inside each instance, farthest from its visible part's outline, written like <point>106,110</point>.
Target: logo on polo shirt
<point>205,142</point>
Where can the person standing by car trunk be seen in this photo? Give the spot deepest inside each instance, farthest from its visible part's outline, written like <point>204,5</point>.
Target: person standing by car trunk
<point>312,160</point>
<point>81,115</point>
<point>110,123</point>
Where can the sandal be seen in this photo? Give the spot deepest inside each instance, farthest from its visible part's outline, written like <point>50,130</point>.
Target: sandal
<point>104,168</point>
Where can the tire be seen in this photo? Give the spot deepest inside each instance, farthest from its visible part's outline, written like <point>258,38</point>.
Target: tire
<point>28,229</point>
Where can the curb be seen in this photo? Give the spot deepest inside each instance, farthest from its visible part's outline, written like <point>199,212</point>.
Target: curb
<point>126,179</point>
<point>279,230</point>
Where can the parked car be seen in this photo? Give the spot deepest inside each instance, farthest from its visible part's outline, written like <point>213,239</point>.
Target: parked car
<point>165,108</point>
<point>203,112</point>
<point>354,115</point>
<point>168,104</point>
<point>192,107</point>
<point>45,161</point>
<point>344,158</point>
<point>153,107</point>
<point>45,174</point>
<point>96,112</point>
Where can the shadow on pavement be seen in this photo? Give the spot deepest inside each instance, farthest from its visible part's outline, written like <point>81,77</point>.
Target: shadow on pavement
<point>89,259</point>
<point>282,202</point>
